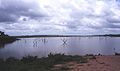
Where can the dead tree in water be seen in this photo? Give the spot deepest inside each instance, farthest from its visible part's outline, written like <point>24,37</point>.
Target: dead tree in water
<point>44,40</point>
<point>64,41</point>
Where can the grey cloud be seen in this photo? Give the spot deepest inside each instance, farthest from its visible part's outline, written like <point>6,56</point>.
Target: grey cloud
<point>5,17</point>
<point>113,20</point>
<point>11,10</point>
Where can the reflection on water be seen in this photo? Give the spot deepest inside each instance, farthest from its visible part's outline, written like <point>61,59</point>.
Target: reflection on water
<point>69,45</point>
<point>64,40</point>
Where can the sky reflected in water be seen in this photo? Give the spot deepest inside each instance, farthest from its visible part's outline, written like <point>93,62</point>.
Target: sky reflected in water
<point>41,47</point>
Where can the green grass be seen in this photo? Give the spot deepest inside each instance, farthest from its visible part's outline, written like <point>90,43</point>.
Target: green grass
<point>31,63</point>
<point>6,39</point>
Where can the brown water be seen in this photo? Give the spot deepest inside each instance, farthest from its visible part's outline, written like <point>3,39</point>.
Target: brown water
<point>41,47</point>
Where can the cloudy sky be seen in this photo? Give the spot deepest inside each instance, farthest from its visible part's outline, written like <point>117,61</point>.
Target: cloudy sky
<point>37,17</point>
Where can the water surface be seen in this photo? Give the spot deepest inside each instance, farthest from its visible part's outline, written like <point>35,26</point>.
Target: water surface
<point>41,47</point>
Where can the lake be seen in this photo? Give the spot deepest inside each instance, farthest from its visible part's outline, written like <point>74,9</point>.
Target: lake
<point>42,46</point>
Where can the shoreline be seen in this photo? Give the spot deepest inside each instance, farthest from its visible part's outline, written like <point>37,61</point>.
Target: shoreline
<point>6,40</point>
<point>61,62</point>
<point>101,63</point>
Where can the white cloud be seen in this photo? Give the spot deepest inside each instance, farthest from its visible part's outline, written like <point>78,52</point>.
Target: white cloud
<point>64,16</point>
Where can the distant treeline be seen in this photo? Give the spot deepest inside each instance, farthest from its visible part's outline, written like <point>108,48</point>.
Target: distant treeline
<point>30,36</point>
<point>109,35</point>
<point>27,36</point>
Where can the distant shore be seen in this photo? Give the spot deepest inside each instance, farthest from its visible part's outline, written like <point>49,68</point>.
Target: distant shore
<point>30,36</point>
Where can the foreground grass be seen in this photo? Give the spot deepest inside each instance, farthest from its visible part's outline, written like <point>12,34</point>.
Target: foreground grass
<point>30,63</point>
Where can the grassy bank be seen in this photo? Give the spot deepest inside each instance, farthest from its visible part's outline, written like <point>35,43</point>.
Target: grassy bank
<point>6,40</point>
<point>30,63</point>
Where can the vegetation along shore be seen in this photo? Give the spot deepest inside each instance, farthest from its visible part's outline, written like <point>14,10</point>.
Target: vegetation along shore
<point>61,62</point>
<point>5,39</point>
